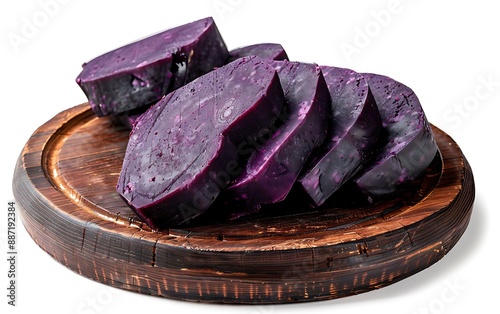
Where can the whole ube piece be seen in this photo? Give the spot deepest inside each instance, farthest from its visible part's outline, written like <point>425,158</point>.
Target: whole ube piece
<point>354,132</point>
<point>184,150</point>
<point>140,73</point>
<point>410,146</point>
<point>267,51</point>
<point>273,167</point>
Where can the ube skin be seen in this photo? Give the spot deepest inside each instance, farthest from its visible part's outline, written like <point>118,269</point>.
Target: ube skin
<point>140,73</point>
<point>355,130</point>
<point>127,119</point>
<point>273,167</point>
<point>184,150</point>
<point>267,51</point>
<point>410,147</point>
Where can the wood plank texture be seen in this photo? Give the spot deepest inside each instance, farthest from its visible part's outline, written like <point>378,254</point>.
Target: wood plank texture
<point>65,183</point>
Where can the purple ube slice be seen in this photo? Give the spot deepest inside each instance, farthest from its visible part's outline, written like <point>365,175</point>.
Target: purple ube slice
<point>410,146</point>
<point>184,150</point>
<point>267,51</point>
<point>274,166</point>
<point>140,73</point>
<point>354,132</point>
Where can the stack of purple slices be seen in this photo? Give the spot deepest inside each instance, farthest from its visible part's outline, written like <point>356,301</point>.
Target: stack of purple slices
<point>239,129</point>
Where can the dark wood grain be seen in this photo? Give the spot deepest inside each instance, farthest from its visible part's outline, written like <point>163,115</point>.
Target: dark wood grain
<point>65,183</point>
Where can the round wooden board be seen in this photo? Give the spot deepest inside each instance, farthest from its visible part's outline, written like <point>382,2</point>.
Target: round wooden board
<point>64,184</point>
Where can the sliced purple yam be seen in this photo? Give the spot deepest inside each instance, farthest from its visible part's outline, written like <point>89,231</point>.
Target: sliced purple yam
<point>184,150</point>
<point>410,147</point>
<point>273,167</point>
<point>127,119</point>
<point>141,72</point>
<point>354,132</point>
<point>267,51</point>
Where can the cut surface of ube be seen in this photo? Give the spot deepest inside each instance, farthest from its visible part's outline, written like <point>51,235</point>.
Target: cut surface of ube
<point>410,146</point>
<point>354,133</point>
<point>267,51</point>
<point>140,73</point>
<point>184,150</point>
<point>276,161</point>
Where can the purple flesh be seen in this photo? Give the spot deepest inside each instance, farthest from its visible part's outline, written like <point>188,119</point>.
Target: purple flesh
<point>274,166</point>
<point>142,72</point>
<point>184,150</point>
<point>266,51</point>
<point>354,133</point>
<point>410,147</point>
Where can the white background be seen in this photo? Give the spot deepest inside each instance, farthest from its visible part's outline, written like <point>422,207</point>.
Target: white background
<point>444,50</point>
